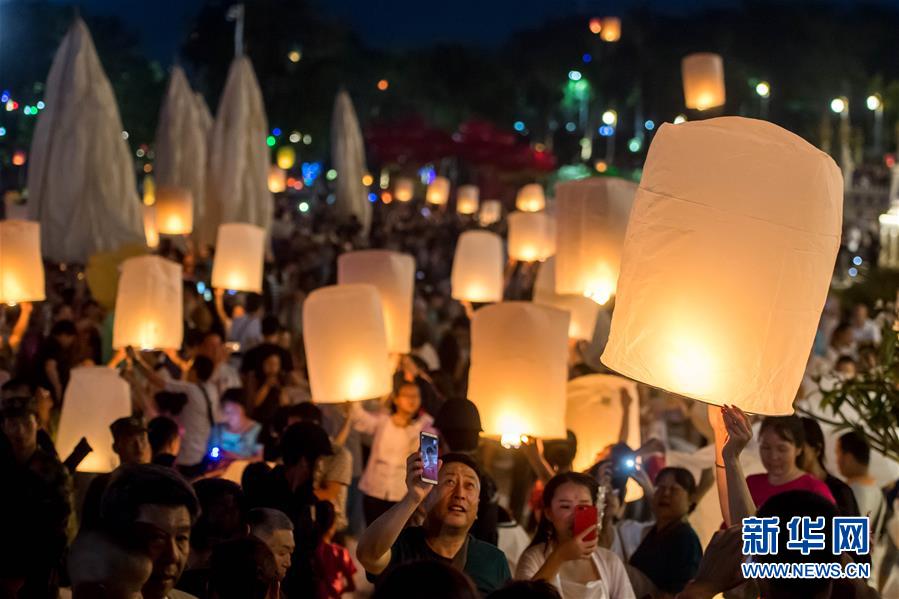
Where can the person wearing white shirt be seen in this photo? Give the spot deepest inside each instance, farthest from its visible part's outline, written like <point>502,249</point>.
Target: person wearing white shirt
<point>853,458</point>
<point>396,435</point>
<point>576,565</point>
<point>864,330</point>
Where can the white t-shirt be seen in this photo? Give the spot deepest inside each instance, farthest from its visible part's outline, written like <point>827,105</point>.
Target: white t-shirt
<point>224,377</point>
<point>613,582</point>
<point>194,420</point>
<point>868,332</point>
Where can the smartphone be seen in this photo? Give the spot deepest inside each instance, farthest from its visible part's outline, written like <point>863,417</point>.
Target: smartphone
<point>429,457</point>
<point>585,516</point>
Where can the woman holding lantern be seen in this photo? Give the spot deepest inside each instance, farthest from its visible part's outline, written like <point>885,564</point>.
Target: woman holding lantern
<point>383,482</point>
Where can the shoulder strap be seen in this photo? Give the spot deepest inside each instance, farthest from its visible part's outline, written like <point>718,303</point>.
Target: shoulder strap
<point>208,404</point>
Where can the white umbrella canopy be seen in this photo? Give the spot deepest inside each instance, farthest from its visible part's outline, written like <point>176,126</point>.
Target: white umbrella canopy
<point>238,163</point>
<point>181,139</point>
<point>348,157</point>
<point>81,182</point>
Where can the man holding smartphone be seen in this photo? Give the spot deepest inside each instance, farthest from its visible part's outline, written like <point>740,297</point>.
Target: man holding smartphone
<point>451,506</point>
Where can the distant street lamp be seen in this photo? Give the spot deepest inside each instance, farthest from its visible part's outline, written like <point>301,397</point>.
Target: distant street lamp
<point>610,117</point>
<point>763,89</point>
<point>875,104</point>
<point>839,105</point>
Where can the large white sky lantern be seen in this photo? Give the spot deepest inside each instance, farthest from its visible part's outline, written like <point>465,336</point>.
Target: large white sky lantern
<point>438,191</point>
<point>532,236</point>
<point>174,210</point>
<point>21,267</point>
<point>148,307</point>
<point>239,258</point>
<point>591,220</point>
<point>703,75</point>
<point>727,263</point>
<point>346,344</point>
<point>594,414</point>
<point>393,274</point>
<point>519,370</point>
<point>467,199</point>
<point>530,198</point>
<point>581,310</point>
<point>95,397</point>
<point>478,267</point>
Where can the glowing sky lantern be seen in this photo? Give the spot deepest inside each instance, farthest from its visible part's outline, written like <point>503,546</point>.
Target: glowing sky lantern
<point>393,274</point>
<point>582,310</point>
<point>286,157</point>
<point>611,29</point>
<point>532,236</point>
<point>21,266</point>
<point>438,191</point>
<point>725,273</point>
<point>467,199</point>
<point>478,267</point>
<point>403,189</point>
<point>491,212</point>
<point>239,257</point>
<point>519,370</point>
<point>591,220</point>
<point>530,198</point>
<point>703,75</point>
<point>151,232</point>
<point>95,397</point>
<point>148,308</point>
<point>277,179</point>
<point>174,210</point>
<point>346,344</point>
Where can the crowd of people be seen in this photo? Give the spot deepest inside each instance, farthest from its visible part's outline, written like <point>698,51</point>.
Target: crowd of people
<point>233,482</point>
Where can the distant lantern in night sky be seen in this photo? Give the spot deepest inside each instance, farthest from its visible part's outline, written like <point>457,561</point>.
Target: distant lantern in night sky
<point>703,75</point>
<point>239,257</point>
<point>21,265</point>
<point>277,179</point>
<point>174,210</point>
<point>530,198</point>
<point>403,189</point>
<point>595,26</point>
<point>477,274</point>
<point>149,307</point>
<point>467,199</point>
<point>724,273</point>
<point>611,29</point>
<point>532,236</point>
<point>438,191</point>
<point>383,84</point>
<point>286,157</point>
<point>491,212</point>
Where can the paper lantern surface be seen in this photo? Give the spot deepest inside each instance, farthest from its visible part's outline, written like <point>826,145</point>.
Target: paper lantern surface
<point>530,198</point>
<point>611,29</point>
<point>403,189</point>
<point>490,213</point>
<point>727,263</point>
<point>591,220</point>
<point>519,370</point>
<point>174,210</point>
<point>151,232</point>
<point>277,179</point>
<point>393,275</point>
<point>477,274</point>
<point>95,397</point>
<point>703,75</point>
<point>532,236</point>
<point>594,412</point>
<point>346,344</point>
<point>582,311</point>
<point>438,191</point>
<point>149,311</point>
<point>467,199</point>
<point>239,257</point>
<point>21,265</point>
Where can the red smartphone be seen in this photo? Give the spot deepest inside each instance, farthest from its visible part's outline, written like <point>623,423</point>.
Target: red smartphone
<point>585,516</point>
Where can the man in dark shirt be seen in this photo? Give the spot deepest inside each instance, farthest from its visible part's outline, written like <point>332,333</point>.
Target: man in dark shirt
<point>130,443</point>
<point>254,357</point>
<point>451,508</point>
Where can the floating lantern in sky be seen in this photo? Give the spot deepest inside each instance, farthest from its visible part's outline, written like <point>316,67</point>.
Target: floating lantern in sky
<point>174,210</point>
<point>491,212</point>
<point>21,266</point>
<point>703,75</point>
<point>95,397</point>
<point>438,191</point>
<point>151,231</point>
<point>582,310</point>
<point>346,344</point>
<point>724,272</point>
<point>148,308</point>
<point>239,257</point>
<point>611,29</point>
<point>286,157</point>
<point>478,267</point>
<point>530,198</point>
<point>519,370</point>
<point>403,189</point>
<point>277,179</point>
<point>393,275</point>
<point>591,220</point>
<point>532,236</point>
<point>467,199</point>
